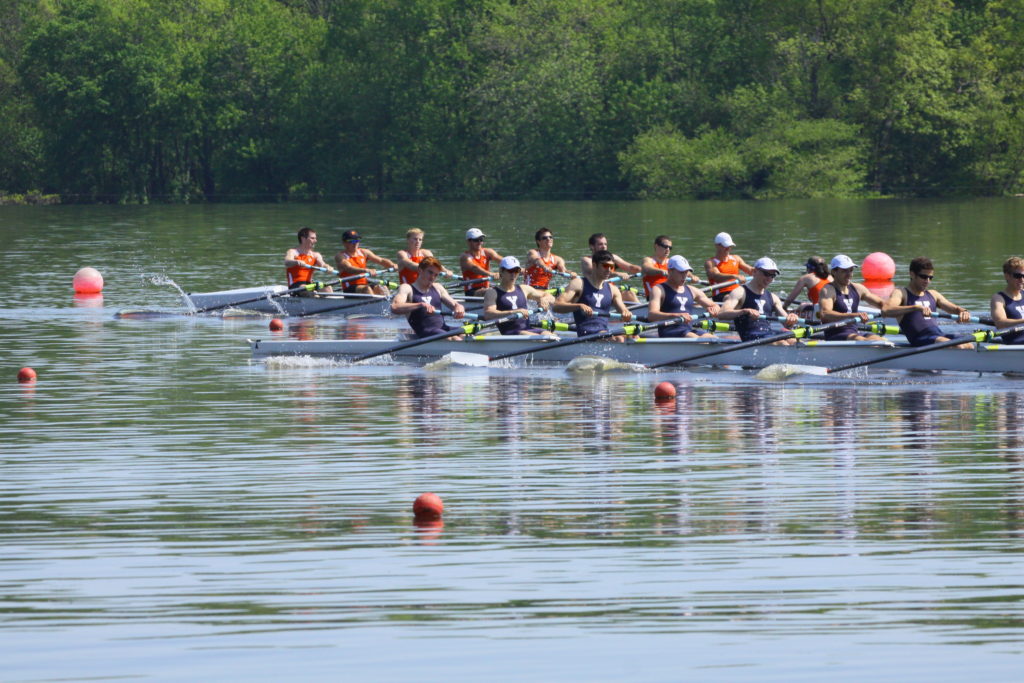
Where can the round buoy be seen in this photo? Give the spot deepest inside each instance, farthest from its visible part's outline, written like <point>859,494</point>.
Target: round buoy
<point>878,266</point>
<point>428,506</point>
<point>88,281</point>
<point>276,325</point>
<point>665,390</point>
<point>26,375</point>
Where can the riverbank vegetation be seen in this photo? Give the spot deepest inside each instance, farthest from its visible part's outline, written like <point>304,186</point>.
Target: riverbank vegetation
<point>200,100</point>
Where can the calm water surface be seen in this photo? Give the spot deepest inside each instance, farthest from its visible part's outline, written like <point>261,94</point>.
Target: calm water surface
<point>172,510</point>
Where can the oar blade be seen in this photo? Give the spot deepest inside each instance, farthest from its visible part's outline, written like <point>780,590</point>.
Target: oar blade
<point>463,359</point>
<point>778,372</point>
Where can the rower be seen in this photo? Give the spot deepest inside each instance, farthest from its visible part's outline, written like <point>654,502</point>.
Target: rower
<point>352,260</point>
<point>421,300</point>
<point>914,304</point>
<point>410,257</point>
<point>725,266</point>
<point>840,300</point>
<point>813,280</point>
<point>599,242</point>
<point>676,299</point>
<point>752,302</point>
<point>542,263</point>
<point>588,296</point>
<point>476,262</point>
<point>297,262</point>
<point>654,269</point>
<point>1007,306</point>
<point>507,297</point>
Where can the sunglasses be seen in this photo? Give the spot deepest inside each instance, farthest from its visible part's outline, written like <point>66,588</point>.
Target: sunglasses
<point>926,277</point>
<point>769,273</point>
<point>546,237</point>
<point>663,246</point>
<point>607,264</point>
<point>476,239</point>
<point>1019,276</point>
<point>353,241</point>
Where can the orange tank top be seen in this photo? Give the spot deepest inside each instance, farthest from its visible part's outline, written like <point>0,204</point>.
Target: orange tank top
<point>483,261</point>
<point>357,260</point>
<point>407,276</point>
<point>814,292</point>
<point>652,281</point>
<point>730,266</point>
<point>537,276</point>
<point>301,273</point>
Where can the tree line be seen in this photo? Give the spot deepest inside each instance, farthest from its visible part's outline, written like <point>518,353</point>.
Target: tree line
<point>234,100</point>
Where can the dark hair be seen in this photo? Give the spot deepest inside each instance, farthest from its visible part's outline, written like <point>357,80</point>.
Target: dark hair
<point>542,231</point>
<point>818,267</point>
<point>662,238</point>
<point>921,263</point>
<point>594,238</point>
<point>304,233</point>
<point>430,262</point>
<point>602,256</point>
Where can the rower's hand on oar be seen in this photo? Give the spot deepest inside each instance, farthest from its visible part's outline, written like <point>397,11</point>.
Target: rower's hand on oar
<point>791,320</point>
<point>427,308</point>
<point>964,316</point>
<point>627,315</point>
<point>459,311</point>
<point>713,310</point>
<point>586,310</point>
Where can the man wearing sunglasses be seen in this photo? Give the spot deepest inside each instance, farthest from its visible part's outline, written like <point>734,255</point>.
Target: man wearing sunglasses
<point>840,300</point>
<point>914,304</point>
<point>352,260</point>
<point>1007,306</point>
<point>599,242</point>
<point>476,262</point>
<point>508,297</point>
<point>654,269</point>
<point>542,263</point>
<point>590,298</point>
<point>751,304</point>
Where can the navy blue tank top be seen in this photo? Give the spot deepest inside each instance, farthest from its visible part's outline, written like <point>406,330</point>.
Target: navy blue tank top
<point>597,299</point>
<point>914,326</point>
<point>845,303</point>
<point>762,303</point>
<point>676,302</point>
<point>511,301</point>
<point>424,324</point>
<point>1014,309</point>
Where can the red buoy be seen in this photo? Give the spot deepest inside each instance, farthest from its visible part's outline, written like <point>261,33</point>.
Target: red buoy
<point>878,266</point>
<point>87,281</point>
<point>276,325</point>
<point>26,375</point>
<point>427,506</point>
<point>664,391</point>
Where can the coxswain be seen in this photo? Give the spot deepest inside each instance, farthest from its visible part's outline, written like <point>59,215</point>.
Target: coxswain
<point>840,300</point>
<point>751,304</point>
<point>410,257</point>
<point>590,298</point>
<point>297,262</point>
<point>507,297</point>
<point>673,298</point>
<point>726,266</point>
<point>476,262</point>
<point>599,242</point>
<point>814,279</point>
<point>1007,306</point>
<point>353,259</point>
<point>914,304</point>
<point>421,301</point>
<point>542,263</point>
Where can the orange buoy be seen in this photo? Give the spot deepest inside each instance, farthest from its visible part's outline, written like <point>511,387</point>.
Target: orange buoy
<point>878,266</point>
<point>664,391</point>
<point>276,325</point>
<point>87,281</point>
<point>427,506</point>
<point>26,375</point>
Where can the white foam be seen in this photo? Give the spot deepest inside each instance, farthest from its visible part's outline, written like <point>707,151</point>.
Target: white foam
<point>600,364</point>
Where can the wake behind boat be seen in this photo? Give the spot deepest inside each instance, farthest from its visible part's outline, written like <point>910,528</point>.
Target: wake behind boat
<point>999,358</point>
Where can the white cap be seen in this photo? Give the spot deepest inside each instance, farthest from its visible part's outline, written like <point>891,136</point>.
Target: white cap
<point>510,263</point>
<point>724,239</point>
<point>765,263</point>
<point>679,263</point>
<point>474,234</point>
<point>843,262</point>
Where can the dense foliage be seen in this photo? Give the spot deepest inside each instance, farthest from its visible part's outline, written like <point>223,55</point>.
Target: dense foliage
<point>186,100</point>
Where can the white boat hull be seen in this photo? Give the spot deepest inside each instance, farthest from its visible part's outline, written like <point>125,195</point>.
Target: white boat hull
<point>987,358</point>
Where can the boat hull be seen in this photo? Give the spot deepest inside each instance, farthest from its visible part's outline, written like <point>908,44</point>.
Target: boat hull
<point>987,358</point>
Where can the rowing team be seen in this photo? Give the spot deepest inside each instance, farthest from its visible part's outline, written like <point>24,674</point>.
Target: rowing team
<point>592,296</point>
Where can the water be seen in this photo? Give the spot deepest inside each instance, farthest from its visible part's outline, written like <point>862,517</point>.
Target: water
<point>173,510</point>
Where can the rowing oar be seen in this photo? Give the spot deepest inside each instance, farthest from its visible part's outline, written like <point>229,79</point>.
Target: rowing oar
<point>463,329</point>
<point>979,336</point>
<point>795,333</point>
<point>463,283</point>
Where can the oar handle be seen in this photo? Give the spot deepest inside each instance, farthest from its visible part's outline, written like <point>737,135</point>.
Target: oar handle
<point>719,285</point>
<point>976,320</point>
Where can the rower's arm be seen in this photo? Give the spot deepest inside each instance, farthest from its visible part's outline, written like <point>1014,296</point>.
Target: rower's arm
<point>491,304</point>
<point>950,307</point>
<point>715,275</point>
<point>729,309</point>
<point>401,305</point>
<point>566,301</point>
<point>997,309</point>
<point>649,268</point>
<point>342,262</point>
<point>379,260</point>
<point>744,266</point>
<point>867,295</point>
<point>468,266</point>
<point>448,301</point>
<point>543,299</point>
<point>405,262</point>
<point>626,314</point>
<point>625,265</point>
<point>586,266</point>
<point>794,293</point>
<point>895,308</point>
<point>705,302</point>
<point>654,313</point>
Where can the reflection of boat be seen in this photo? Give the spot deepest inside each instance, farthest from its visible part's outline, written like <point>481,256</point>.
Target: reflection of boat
<point>267,299</point>
<point>987,358</point>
